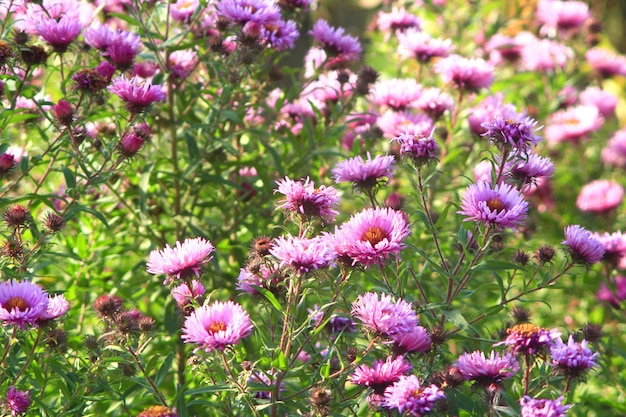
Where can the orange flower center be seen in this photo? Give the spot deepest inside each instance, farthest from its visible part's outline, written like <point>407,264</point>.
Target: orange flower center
<point>495,204</point>
<point>524,329</point>
<point>216,327</point>
<point>16,302</point>
<point>373,235</point>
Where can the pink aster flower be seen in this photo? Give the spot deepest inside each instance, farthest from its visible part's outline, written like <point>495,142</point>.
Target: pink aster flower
<point>614,153</point>
<point>302,198</point>
<point>421,46</point>
<point>397,93</point>
<point>182,10</point>
<point>182,62</point>
<point>573,124</point>
<point>419,148</point>
<point>607,63</point>
<point>216,326</point>
<point>434,102</point>
<point>186,297</point>
<point>381,374</point>
<point>59,34</point>
<point>17,402</point>
<point>490,108</point>
<point>604,101</point>
<point>470,74</point>
<point>136,96</point>
<point>365,174</point>
<point>502,48</point>
<point>614,295</point>
<point>182,261</point>
<point>394,123</point>
<point>501,206</point>
<point>384,316</point>
<point>336,42</point>
<point>572,359</point>
<point>512,134</point>
<point>371,236</point>
<point>57,306</point>
<point>397,20</point>
<point>614,245</point>
<point>562,15</point>
<point>529,339</point>
<point>582,247</point>
<point>544,55</point>
<point>248,280</point>
<point>244,11</point>
<point>22,303</point>
<point>600,196</point>
<point>528,170</point>
<point>534,407</point>
<point>484,370</point>
<point>409,397</point>
<point>123,50</point>
<point>302,254</point>
<point>415,340</point>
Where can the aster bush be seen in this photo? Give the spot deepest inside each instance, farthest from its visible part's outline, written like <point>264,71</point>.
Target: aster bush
<point>243,208</point>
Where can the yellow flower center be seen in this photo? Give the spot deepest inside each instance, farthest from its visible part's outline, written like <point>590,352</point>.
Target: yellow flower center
<point>216,327</point>
<point>374,235</point>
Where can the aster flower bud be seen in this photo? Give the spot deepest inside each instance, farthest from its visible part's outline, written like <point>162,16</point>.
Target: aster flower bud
<point>6,52</point>
<point>34,55</point>
<point>128,370</point>
<point>53,222</point>
<point>91,342</point>
<point>146,324</point>
<point>130,144</point>
<point>16,216</point>
<point>108,305</point>
<point>20,37</point>
<point>63,112</point>
<point>521,257</point>
<point>7,162</point>
<point>57,339</point>
<point>592,332</point>
<point>261,245</point>
<point>366,77</point>
<point>320,400</point>
<point>545,254</point>
<point>88,80</point>
<point>12,249</point>
<point>520,314</point>
<point>394,201</point>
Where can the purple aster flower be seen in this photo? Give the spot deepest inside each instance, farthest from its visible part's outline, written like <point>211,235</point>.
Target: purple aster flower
<point>573,124</point>
<point>304,199</point>
<point>491,108</point>
<point>248,280</point>
<point>409,397</point>
<point>336,42</point>
<point>382,374</point>
<point>216,326</point>
<point>100,36</point>
<point>529,339</point>
<point>123,50</point>
<point>371,236</point>
<point>244,11</point>
<point>302,254</point>
<point>365,174</point>
<point>421,46</point>
<point>281,35</point>
<point>614,245</point>
<point>57,306</point>
<point>502,48</point>
<point>532,407</point>
<point>186,297</point>
<point>22,303</point>
<point>600,197</point>
<point>582,247</point>
<point>137,96</point>
<point>394,123</point>
<point>607,63</point>
<point>17,402</point>
<point>544,55</point>
<point>397,94</point>
<point>182,261</point>
<point>415,340</point>
<point>572,359</point>
<point>59,34</point>
<point>434,102</point>
<point>614,153</point>
<point>266,385</point>
<point>470,74</point>
<point>562,15</point>
<point>616,294</point>
<point>338,324</point>
<point>384,316</point>
<point>398,20</point>
<point>419,148</point>
<point>512,134</point>
<point>501,206</point>
<point>528,170</point>
<point>486,371</point>
<point>604,101</point>
<point>182,62</point>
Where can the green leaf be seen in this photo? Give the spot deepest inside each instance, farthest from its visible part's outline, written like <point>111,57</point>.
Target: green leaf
<point>270,297</point>
<point>70,179</point>
<point>164,369</point>
<point>455,317</point>
<point>280,361</point>
<point>493,265</point>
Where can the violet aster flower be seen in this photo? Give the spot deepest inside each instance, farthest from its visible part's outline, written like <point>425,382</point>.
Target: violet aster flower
<point>607,63</point>
<point>17,402</point>
<point>614,245</point>
<point>582,247</point>
<point>469,74</point>
<point>490,108</point>
<point>600,196</point>
<point>216,326</point>
<point>501,206</point>
<point>365,174</point>
<point>123,50</point>
<point>421,46</point>
<point>397,93</point>
<point>572,124</point>
<point>530,168</point>
<point>384,316</point>
<point>572,359</point>
<point>484,370</point>
<point>182,62</point>
<point>415,340</point>
<point>244,11</point>
<point>302,254</point>
<point>398,20</point>
<point>264,277</point>
<point>281,35</point>
<point>534,407</point>
<point>22,303</point>
<point>409,397</point>
<point>393,123</point>
<point>419,148</point>
<point>186,297</point>
<point>335,41</point>
<point>304,199</point>
<point>616,294</point>
<point>182,261</point>
<point>529,339</point>
<point>614,153</point>
<point>57,306</point>
<point>562,15</point>
<point>137,96</point>
<point>512,134</point>
<point>382,373</point>
<point>371,236</point>
<point>100,36</point>
<point>59,34</point>
<point>434,102</point>
<point>338,324</point>
<point>604,101</point>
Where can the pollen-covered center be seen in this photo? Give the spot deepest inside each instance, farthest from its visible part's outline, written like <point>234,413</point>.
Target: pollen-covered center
<point>495,204</point>
<point>374,235</point>
<point>524,330</point>
<point>16,302</point>
<point>215,327</point>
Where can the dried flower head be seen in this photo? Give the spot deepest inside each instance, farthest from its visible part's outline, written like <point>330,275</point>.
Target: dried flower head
<point>16,216</point>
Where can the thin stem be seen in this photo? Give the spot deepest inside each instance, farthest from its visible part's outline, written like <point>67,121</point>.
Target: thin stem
<point>30,356</point>
<point>157,393</point>
<point>6,350</point>
<point>431,225</point>
<point>239,386</point>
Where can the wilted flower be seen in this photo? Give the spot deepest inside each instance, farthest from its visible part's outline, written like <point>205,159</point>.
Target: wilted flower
<point>158,411</point>
<point>407,395</point>
<point>182,261</point>
<point>216,326</point>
